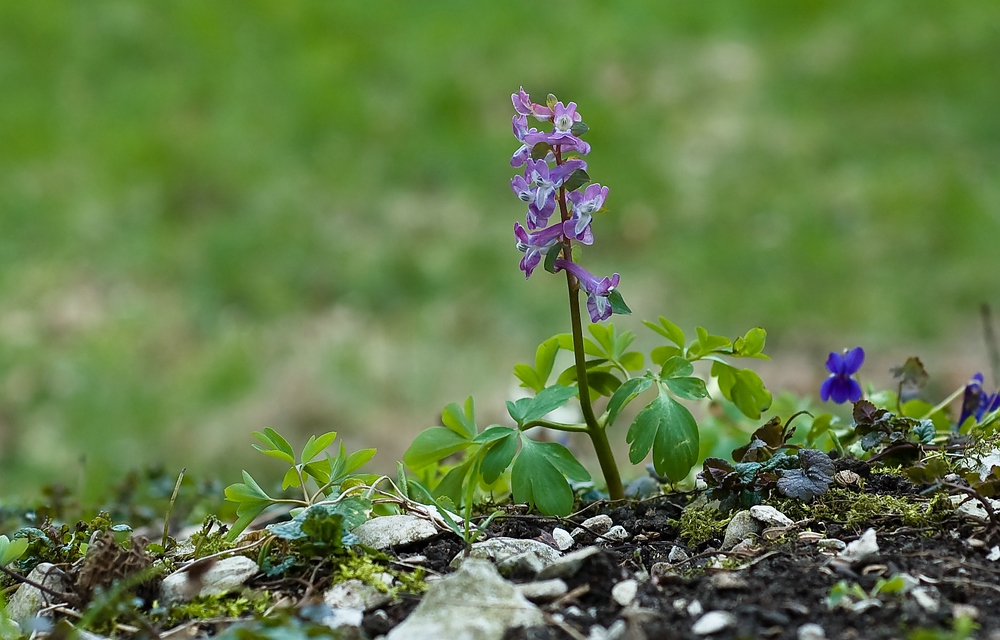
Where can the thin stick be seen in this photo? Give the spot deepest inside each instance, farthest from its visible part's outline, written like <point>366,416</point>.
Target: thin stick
<point>992,346</point>
<point>170,507</point>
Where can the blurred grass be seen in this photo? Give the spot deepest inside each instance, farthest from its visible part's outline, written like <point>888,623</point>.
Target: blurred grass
<point>223,216</point>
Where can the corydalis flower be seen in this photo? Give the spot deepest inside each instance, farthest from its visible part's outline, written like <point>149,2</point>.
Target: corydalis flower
<point>840,386</point>
<point>584,206</point>
<point>521,130</point>
<point>976,402</point>
<point>535,245</point>
<point>598,289</point>
<point>524,106</point>
<point>545,181</point>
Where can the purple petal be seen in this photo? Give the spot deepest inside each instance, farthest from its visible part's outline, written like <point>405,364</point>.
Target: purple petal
<point>825,388</point>
<point>598,307</point>
<point>841,389</point>
<point>854,394</point>
<point>853,360</point>
<point>835,363</point>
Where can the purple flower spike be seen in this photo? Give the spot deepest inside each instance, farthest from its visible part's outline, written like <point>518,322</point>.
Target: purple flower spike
<point>976,402</point>
<point>535,245</point>
<point>840,386</point>
<point>598,289</point>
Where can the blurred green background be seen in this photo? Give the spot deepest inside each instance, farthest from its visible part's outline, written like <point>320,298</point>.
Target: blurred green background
<point>216,217</point>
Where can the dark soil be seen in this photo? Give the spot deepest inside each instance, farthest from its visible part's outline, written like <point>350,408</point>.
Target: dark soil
<point>771,590</point>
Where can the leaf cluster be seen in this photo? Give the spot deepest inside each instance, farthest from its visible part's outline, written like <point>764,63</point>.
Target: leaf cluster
<point>324,528</point>
<point>768,463</point>
<point>62,543</point>
<point>878,429</point>
<point>328,475</point>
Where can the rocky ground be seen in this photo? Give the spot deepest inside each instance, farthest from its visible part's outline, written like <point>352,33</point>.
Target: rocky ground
<point>873,559</point>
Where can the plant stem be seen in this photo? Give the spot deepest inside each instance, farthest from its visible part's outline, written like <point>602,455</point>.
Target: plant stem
<point>556,426</point>
<point>594,429</point>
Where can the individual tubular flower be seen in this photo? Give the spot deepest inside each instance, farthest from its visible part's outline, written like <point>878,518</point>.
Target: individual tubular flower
<point>524,106</point>
<point>521,131</point>
<point>535,245</point>
<point>840,386</point>
<point>976,402</point>
<point>546,181</point>
<point>598,289</point>
<point>537,217</point>
<point>584,205</point>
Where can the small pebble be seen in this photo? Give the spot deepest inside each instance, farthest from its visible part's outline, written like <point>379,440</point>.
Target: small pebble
<point>677,554</point>
<point>713,622</point>
<point>994,554</point>
<point>728,581</point>
<point>616,533</point>
<point>810,631</point>
<point>597,525</point>
<point>770,516</point>
<point>624,592</point>
<point>695,609</point>
<point>563,540</point>
<point>964,611</point>
<point>831,544</point>
<point>927,598</point>
<point>543,590</point>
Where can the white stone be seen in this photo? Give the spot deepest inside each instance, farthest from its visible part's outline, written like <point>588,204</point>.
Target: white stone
<point>563,540</point>
<point>770,516</point>
<point>543,590</point>
<point>994,554</point>
<point>597,525</point>
<point>384,532</point>
<point>866,545</point>
<point>223,577</point>
<point>568,565</point>
<point>742,526</point>
<point>713,622</point>
<point>474,603</point>
<point>677,554</point>
<point>928,598</point>
<point>624,592</point>
<point>28,600</point>
<point>511,552</point>
<point>616,533</point>
<point>810,631</point>
<point>695,609</point>
<point>354,594</point>
<point>340,618</point>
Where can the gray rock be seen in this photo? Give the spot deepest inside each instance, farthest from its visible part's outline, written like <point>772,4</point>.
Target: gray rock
<point>677,554</point>
<point>742,526</point>
<point>810,631</point>
<point>642,488</point>
<point>928,598</point>
<point>543,590</point>
<point>343,618</point>
<point>624,592</point>
<point>695,609</point>
<point>863,547</point>
<point>568,565</point>
<point>27,601</point>
<point>831,544</point>
<point>505,552</point>
<point>474,603</point>
<point>563,539</point>
<point>713,622</point>
<point>391,531</point>
<point>770,516</point>
<point>598,525</point>
<point>616,533</point>
<point>728,581</point>
<point>223,577</point>
<point>354,594</point>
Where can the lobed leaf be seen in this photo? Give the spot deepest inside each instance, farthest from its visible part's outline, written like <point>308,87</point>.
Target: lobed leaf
<point>461,420</point>
<point>432,445</point>
<point>314,446</point>
<point>539,477</point>
<point>625,394</point>
<point>670,430</point>
<point>668,330</point>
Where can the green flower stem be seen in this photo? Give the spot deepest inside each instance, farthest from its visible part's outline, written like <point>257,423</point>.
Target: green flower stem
<point>558,426</point>
<point>598,437</point>
<point>944,403</point>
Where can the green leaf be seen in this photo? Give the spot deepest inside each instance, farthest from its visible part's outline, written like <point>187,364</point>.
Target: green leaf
<point>660,355</point>
<point>676,367</point>
<point>538,477</point>
<point>280,445</point>
<point>668,330</point>
<point>605,339</point>
<point>462,422</point>
<point>618,305</point>
<point>356,460</point>
<point>670,430</point>
<point>545,358</point>
<point>689,388</point>
<point>246,513</point>
<point>315,446</point>
<point>432,445</point>
<point>751,344</point>
<point>540,150</point>
<point>529,377</point>
<point>322,528</point>
<point>579,128</point>
<point>493,433</point>
<point>604,383</point>
<point>576,180</point>
<point>625,394</point>
<point>247,491</point>
<point>498,456</point>
<point>589,346</point>
<point>632,361</point>
<point>546,401</point>
<point>742,387</point>
<point>454,482</point>
<point>291,479</point>
<point>11,551</point>
<point>401,481</point>
<point>551,256</point>
<point>318,470</point>
<point>708,343</point>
